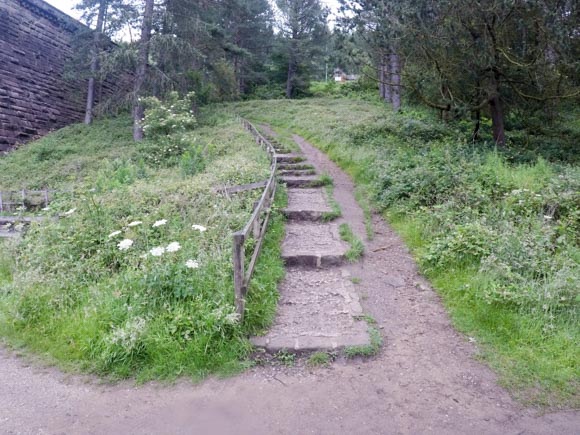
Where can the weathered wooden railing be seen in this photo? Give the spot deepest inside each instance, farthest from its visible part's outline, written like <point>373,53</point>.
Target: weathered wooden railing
<point>26,199</point>
<point>11,200</point>
<point>254,228</point>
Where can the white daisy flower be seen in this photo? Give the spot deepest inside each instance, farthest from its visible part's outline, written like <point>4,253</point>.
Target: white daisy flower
<point>125,244</point>
<point>159,223</point>
<point>135,223</point>
<point>191,264</point>
<point>158,251</point>
<point>173,247</point>
<point>114,233</point>
<point>199,228</point>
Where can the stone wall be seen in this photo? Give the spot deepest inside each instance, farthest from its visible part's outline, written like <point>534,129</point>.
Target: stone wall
<point>35,42</point>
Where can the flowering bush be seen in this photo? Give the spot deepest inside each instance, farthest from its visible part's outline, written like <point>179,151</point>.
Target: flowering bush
<point>169,117</point>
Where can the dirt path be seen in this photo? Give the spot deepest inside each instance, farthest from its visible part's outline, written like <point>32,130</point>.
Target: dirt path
<point>424,380</point>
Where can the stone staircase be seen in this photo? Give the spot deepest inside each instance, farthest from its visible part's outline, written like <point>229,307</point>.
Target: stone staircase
<point>319,309</point>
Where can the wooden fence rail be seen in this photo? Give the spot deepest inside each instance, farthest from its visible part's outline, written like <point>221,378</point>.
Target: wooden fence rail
<point>12,200</point>
<point>255,227</point>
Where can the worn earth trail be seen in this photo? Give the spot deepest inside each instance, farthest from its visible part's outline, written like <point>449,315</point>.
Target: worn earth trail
<point>424,380</point>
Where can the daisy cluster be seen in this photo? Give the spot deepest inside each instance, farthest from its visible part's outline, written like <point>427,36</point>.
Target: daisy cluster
<point>158,251</point>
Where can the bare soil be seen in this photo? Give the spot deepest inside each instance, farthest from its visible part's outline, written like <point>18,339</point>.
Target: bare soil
<point>424,380</point>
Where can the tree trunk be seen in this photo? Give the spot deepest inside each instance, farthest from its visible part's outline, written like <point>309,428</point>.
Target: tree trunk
<point>140,73</point>
<point>292,67</point>
<point>382,78</point>
<point>95,61</point>
<point>496,109</point>
<point>388,97</point>
<point>477,126</point>
<point>497,124</point>
<point>395,80</point>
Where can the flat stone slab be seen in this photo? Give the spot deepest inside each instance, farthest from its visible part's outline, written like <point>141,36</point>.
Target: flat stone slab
<point>307,204</point>
<point>302,181</point>
<point>294,166</point>
<point>318,310</point>
<point>296,172</point>
<point>313,244</point>
<point>290,158</point>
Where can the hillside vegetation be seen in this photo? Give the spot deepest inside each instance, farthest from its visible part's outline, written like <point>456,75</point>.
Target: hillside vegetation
<point>135,278</point>
<point>496,231</point>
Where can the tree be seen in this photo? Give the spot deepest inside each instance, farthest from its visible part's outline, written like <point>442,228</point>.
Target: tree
<point>303,26</point>
<point>141,71</point>
<point>379,24</point>
<point>470,56</point>
<point>103,4</point>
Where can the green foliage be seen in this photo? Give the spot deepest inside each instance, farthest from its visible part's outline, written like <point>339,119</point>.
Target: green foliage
<point>318,359</point>
<point>286,358</point>
<point>368,350</point>
<point>136,279</point>
<point>172,116</point>
<point>357,247</point>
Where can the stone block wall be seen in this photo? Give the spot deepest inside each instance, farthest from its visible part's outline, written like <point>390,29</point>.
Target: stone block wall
<point>35,42</point>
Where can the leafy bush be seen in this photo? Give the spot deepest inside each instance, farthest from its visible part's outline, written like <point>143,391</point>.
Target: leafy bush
<point>172,116</point>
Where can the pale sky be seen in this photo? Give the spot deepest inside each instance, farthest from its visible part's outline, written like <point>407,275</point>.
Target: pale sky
<point>67,6</point>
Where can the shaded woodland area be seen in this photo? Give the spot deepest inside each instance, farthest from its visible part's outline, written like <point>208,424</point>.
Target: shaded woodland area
<point>497,60</point>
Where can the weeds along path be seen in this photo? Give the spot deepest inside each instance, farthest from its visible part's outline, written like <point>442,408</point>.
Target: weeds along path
<point>425,378</point>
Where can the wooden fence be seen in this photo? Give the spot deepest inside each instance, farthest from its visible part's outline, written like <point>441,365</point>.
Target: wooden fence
<point>255,227</point>
<point>13,200</point>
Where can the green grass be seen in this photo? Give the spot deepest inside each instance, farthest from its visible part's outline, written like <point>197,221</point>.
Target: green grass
<point>68,293</point>
<point>368,350</point>
<point>357,247</point>
<point>318,359</point>
<point>496,231</point>
<point>336,211</point>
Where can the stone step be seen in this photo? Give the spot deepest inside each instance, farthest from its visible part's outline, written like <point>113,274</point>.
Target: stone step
<point>296,172</point>
<point>302,181</point>
<point>294,166</point>
<point>318,310</point>
<point>313,244</point>
<point>307,205</point>
<point>290,158</point>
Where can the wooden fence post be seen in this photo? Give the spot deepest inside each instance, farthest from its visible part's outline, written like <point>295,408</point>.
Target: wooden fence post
<point>239,274</point>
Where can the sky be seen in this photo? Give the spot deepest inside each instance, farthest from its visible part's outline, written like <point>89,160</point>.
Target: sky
<point>67,6</point>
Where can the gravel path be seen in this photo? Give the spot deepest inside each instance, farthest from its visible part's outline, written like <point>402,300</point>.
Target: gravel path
<point>425,379</point>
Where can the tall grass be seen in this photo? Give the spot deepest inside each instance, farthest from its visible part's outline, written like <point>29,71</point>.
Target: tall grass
<point>136,280</point>
<point>498,239</point>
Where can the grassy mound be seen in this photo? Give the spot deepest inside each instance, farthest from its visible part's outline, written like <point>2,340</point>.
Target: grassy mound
<point>497,234</point>
<point>136,278</point>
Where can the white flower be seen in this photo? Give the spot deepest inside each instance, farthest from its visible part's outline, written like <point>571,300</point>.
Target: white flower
<point>135,223</point>
<point>46,209</point>
<point>200,228</point>
<point>191,264</point>
<point>158,251</point>
<point>114,233</point>
<point>159,223</point>
<point>71,211</point>
<point>125,244</point>
<point>173,247</point>
<point>547,217</point>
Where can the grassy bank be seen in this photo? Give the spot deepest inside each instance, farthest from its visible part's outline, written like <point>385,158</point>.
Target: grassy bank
<point>496,231</point>
<point>136,278</point>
